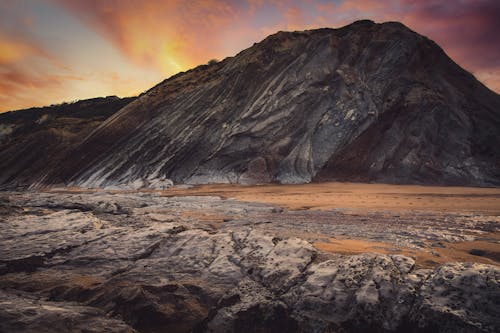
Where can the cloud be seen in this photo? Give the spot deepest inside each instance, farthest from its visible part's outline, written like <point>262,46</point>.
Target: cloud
<point>294,17</point>
<point>22,74</point>
<point>174,35</point>
<point>29,73</point>
<point>467,30</point>
<point>12,51</point>
<point>168,35</point>
<point>25,85</point>
<point>45,58</point>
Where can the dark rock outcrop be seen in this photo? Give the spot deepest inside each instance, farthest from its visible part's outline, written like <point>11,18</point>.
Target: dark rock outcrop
<point>35,141</point>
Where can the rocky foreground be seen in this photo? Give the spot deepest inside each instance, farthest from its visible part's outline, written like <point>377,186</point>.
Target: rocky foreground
<point>143,262</point>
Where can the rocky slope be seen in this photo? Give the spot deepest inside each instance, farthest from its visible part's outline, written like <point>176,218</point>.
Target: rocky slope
<point>84,262</point>
<point>35,141</point>
<point>366,102</point>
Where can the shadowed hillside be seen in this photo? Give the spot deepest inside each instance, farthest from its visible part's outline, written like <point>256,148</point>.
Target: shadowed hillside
<point>34,141</point>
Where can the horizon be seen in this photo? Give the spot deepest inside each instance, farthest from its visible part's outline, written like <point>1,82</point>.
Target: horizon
<point>44,61</point>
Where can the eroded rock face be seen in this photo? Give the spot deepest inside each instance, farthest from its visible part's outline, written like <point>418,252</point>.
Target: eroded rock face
<point>35,141</point>
<point>137,261</point>
<point>366,102</point>
<point>450,295</point>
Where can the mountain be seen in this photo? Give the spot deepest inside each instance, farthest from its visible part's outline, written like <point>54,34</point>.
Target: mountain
<point>35,141</point>
<point>366,102</point>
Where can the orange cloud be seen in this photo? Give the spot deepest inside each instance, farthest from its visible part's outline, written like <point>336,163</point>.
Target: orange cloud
<point>21,87</point>
<point>18,77</point>
<point>13,51</point>
<point>31,76</point>
<point>175,35</point>
<point>168,35</point>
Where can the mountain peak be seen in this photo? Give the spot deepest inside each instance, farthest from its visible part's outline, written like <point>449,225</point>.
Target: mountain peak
<point>364,22</point>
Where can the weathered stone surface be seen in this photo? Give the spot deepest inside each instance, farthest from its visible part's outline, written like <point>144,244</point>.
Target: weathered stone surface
<point>452,294</point>
<point>22,313</point>
<point>154,265</point>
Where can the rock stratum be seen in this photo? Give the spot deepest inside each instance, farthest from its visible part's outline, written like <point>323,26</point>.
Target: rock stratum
<point>366,102</point>
<point>143,262</point>
<point>36,141</point>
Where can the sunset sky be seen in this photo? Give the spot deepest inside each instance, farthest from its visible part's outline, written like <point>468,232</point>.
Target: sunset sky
<point>62,50</point>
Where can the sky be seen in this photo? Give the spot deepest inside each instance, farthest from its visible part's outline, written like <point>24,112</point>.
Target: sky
<point>54,51</point>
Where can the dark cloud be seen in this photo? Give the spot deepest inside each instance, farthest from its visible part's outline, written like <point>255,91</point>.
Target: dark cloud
<point>468,29</point>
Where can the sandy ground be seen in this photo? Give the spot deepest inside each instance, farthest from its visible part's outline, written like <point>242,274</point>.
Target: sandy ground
<point>486,252</point>
<point>360,197</point>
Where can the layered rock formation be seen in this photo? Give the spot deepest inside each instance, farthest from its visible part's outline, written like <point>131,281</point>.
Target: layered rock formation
<point>366,102</point>
<point>35,141</point>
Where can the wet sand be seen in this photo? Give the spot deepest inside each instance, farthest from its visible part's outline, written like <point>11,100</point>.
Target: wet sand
<point>486,252</point>
<point>359,197</point>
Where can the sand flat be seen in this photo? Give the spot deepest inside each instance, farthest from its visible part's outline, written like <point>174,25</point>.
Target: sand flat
<point>357,196</point>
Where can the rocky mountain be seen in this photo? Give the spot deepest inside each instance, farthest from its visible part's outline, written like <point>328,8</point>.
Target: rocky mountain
<point>35,141</point>
<point>366,102</point>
